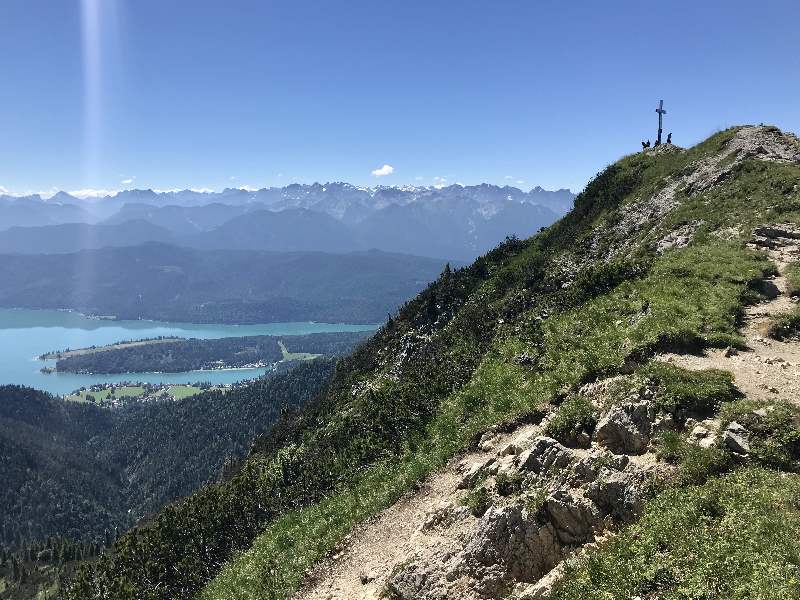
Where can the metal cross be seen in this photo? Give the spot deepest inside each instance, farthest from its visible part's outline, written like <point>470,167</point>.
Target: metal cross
<point>661,112</point>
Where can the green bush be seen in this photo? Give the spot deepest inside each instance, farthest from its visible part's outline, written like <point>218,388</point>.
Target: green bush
<point>574,416</point>
<point>696,464</point>
<point>793,276</point>
<point>785,326</point>
<point>774,431</point>
<point>477,501</point>
<point>508,484</point>
<point>681,391</point>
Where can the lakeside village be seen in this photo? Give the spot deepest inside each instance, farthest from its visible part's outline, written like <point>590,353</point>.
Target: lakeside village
<point>113,395</point>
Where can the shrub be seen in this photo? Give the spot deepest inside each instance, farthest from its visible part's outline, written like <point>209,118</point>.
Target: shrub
<point>774,431</point>
<point>793,276</point>
<point>785,326</point>
<point>508,484</point>
<point>574,416</point>
<point>681,391</point>
<point>696,464</point>
<point>478,501</point>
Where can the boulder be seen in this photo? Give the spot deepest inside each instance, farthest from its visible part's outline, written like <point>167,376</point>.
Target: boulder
<point>737,438</point>
<point>519,545</point>
<point>545,454</point>
<point>572,517</point>
<point>473,471</point>
<point>625,429</point>
<point>619,493</point>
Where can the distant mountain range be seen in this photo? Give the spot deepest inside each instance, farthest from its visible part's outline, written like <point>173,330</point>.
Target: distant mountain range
<point>454,222</point>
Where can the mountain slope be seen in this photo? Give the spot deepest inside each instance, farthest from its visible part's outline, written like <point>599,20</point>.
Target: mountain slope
<point>291,230</point>
<point>653,257</point>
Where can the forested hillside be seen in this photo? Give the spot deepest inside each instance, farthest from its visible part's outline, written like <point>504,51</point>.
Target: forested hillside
<point>193,354</point>
<point>77,471</point>
<point>559,333</point>
<point>169,283</point>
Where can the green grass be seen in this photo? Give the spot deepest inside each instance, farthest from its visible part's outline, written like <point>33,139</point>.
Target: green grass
<point>296,355</point>
<point>695,464</point>
<point>681,391</point>
<point>132,391</point>
<point>179,392</point>
<point>793,277</point>
<point>736,536</point>
<point>785,326</point>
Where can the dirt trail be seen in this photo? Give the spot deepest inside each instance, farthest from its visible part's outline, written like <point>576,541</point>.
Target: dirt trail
<point>769,369</point>
<point>366,559</point>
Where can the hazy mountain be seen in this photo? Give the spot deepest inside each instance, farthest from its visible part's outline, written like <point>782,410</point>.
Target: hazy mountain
<point>72,237</point>
<point>29,211</point>
<point>169,283</point>
<point>282,231</point>
<point>457,222</point>
<point>181,219</point>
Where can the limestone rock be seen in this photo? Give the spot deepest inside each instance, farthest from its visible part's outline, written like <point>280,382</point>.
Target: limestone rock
<point>523,548</point>
<point>619,493</point>
<point>546,453</point>
<point>736,437</point>
<point>626,427</point>
<point>573,517</point>
<point>472,472</point>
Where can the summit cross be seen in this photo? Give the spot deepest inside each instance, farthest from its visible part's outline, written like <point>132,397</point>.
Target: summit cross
<point>661,112</point>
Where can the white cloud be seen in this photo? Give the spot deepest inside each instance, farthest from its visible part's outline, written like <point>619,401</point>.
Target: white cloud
<point>203,190</point>
<point>439,182</point>
<point>128,181</point>
<point>519,181</point>
<point>4,191</point>
<point>508,177</point>
<point>418,178</point>
<point>248,188</point>
<point>383,171</point>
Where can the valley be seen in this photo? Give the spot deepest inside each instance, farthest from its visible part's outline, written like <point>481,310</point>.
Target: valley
<point>399,300</point>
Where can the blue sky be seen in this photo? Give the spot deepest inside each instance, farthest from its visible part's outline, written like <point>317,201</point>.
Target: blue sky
<point>111,94</point>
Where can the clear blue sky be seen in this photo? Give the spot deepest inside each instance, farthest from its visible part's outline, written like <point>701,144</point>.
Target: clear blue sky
<point>201,93</point>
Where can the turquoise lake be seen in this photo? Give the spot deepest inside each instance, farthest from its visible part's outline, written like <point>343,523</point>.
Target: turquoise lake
<point>27,334</point>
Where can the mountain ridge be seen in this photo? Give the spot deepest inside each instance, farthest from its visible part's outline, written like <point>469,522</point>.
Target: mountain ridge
<point>653,257</point>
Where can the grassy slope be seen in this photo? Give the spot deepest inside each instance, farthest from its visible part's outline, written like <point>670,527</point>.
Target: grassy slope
<point>736,536</point>
<point>386,423</point>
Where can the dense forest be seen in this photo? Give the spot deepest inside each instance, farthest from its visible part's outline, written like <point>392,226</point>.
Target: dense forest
<point>77,471</point>
<point>169,283</point>
<point>193,354</point>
